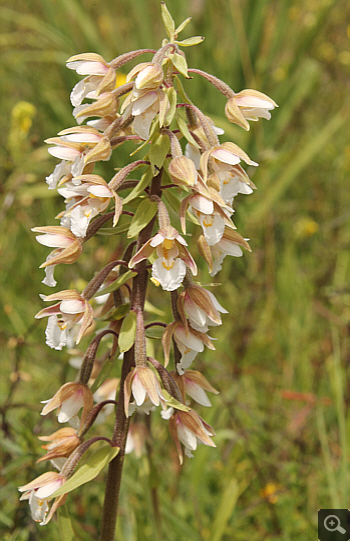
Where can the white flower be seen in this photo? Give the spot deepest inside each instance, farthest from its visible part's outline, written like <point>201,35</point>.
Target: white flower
<point>170,267</point>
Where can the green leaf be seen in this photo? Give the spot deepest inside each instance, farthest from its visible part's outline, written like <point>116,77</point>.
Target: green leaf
<point>65,527</point>
<point>182,25</point>
<point>155,333</point>
<point>182,125</point>
<point>119,312</point>
<point>121,280</point>
<point>89,470</point>
<point>168,21</point>
<point>224,510</point>
<point>151,309</point>
<point>158,151</point>
<point>102,376</point>
<point>171,401</point>
<point>181,90</point>
<point>139,188</point>
<point>108,231</point>
<point>179,63</point>
<point>127,332</point>
<point>172,97</point>
<point>143,215</point>
<point>195,40</point>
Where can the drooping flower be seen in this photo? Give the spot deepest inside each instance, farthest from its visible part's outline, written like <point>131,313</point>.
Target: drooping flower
<point>68,400</point>
<point>170,267</point>
<point>189,429</point>
<point>86,197</point>
<point>248,105</point>
<point>194,384</point>
<point>189,342</point>
<point>101,76</point>
<point>62,443</point>
<point>80,146</point>
<point>39,492</point>
<point>202,308</point>
<point>68,249</point>
<point>71,309</point>
<point>142,382</point>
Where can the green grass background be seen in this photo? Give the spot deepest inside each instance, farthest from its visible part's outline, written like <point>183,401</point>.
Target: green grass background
<point>289,300</point>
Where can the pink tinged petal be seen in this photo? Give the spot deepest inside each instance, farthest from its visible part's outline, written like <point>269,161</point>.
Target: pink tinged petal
<point>157,239</point>
<point>197,393</point>
<point>54,241</point>
<point>50,488</point>
<point>253,102</point>
<point>230,248</point>
<point>138,391</point>
<point>225,156</point>
<point>100,124</point>
<point>187,437</point>
<point>169,277</point>
<point>100,191</point>
<point>38,507</point>
<point>70,407</point>
<point>189,340</point>
<point>143,103</point>
<point>144,253</point>
<point>202,204</point>
<point>64,153</point>
<point>83,137</point>
<point>216,303</point>
<point>188,259</point>
<point>72,306</point>
<point>195,314</point>
<point>85,67</point>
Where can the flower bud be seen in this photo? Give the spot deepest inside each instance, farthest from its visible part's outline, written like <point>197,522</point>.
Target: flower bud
<point>183,171</point>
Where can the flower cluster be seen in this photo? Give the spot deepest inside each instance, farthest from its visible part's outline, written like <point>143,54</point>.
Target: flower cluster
<point>184,163</point>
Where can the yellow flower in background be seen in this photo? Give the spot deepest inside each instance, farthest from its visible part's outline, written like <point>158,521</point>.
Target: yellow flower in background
<point>306,227</point>
<point>270,491</point>
<point>22,116</point>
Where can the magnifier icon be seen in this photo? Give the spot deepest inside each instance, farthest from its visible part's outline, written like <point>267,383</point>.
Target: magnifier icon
<point>332,524</point>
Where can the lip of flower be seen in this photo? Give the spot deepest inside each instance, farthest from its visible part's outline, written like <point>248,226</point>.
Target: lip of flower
<point>169,244</point>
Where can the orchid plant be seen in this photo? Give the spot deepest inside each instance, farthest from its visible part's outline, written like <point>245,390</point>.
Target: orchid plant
<point>186,168</point>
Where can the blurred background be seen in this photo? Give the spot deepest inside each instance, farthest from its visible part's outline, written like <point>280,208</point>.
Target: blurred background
<point>282,358</point>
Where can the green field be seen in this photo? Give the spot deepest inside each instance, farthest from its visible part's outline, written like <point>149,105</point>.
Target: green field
<point>282,355</point>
